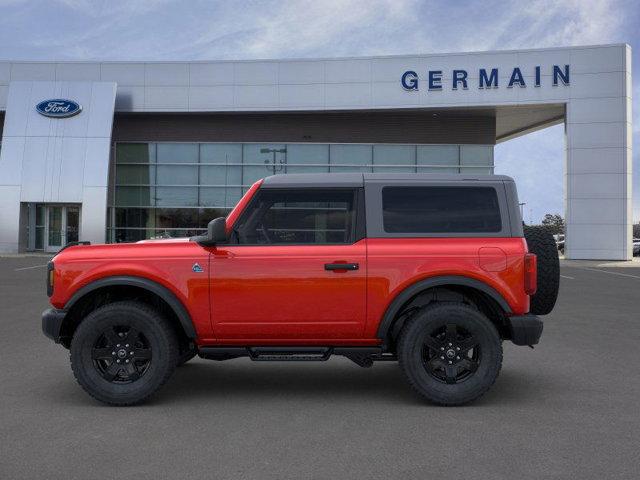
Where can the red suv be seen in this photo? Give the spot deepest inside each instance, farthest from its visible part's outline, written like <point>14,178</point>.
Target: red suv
<point>431,270</point>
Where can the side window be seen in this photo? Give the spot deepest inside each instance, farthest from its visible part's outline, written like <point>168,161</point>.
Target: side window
<point>440,210</point>
<point>297,217</point>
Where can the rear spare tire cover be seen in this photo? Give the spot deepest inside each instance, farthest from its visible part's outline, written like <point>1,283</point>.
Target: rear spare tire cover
<point>541,242</point>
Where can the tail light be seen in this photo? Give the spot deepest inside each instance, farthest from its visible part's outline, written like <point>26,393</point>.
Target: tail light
<point>530,273</point>
<point>50,277</point>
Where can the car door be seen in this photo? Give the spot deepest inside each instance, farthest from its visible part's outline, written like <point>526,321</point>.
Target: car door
<point>294,269</point>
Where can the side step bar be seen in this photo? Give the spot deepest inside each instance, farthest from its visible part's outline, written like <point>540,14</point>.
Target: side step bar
<point>363,356</point>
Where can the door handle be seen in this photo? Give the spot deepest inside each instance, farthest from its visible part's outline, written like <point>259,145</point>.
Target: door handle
<point>341,266</point>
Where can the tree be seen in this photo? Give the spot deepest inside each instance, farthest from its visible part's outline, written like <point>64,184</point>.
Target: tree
<point>554,222</point>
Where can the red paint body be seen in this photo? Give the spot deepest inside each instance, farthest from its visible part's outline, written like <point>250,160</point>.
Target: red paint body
<point>261,295</point>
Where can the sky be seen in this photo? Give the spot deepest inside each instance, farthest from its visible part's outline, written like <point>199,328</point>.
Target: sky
<point>251,29</point>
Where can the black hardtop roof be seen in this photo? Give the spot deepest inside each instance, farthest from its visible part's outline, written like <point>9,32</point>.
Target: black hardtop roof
<point>359,179</point>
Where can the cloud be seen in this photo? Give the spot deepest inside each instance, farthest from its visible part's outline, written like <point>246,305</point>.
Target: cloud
<point>249,29</point>
<point>536,163</point>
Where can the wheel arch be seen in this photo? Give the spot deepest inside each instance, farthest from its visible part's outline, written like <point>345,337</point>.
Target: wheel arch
<point>150,291</point>
<point>402,300</point>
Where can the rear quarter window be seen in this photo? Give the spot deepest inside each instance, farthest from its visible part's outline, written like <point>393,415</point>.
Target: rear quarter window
<point>441,209</point>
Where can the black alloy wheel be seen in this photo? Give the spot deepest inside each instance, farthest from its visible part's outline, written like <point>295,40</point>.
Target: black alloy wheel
<point>121,354</point>
<point>451,354</point>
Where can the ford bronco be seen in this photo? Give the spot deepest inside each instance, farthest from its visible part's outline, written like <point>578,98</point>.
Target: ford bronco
<point>433,271</point>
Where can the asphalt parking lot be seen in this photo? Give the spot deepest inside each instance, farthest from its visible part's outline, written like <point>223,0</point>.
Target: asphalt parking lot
<point>568,409</point>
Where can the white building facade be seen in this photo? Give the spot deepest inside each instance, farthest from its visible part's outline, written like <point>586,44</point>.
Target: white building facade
<point>118,151</point>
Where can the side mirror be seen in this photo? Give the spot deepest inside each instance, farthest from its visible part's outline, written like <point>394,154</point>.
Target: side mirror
<point>216,233</point>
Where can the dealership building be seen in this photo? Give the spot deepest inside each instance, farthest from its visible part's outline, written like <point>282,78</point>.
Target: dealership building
<point>124,151</point>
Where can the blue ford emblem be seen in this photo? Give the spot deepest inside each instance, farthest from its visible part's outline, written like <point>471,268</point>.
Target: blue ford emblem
<point>58,108</point>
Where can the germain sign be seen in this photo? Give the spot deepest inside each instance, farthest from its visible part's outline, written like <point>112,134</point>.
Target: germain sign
<point>58,108</point>
<point>487,78</point>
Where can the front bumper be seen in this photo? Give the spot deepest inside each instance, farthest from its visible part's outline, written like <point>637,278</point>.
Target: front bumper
<point>52,320</point>
<point>525,329</point>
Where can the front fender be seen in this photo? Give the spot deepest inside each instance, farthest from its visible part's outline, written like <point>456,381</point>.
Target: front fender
<point>161,291</point>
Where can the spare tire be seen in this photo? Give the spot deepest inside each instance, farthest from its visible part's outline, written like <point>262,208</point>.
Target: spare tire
<point>541,242</point>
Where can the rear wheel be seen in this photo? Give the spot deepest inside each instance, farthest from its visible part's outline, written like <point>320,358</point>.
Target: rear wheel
<point>450,353</point>
<point>123,352</point>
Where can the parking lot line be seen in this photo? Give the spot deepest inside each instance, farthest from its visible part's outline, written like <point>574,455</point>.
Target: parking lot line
<point>29,268</point>
<point>567,276</point>
<point>611,273</point>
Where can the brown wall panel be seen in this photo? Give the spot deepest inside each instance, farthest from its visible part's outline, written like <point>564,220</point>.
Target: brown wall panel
<point>316,127</point>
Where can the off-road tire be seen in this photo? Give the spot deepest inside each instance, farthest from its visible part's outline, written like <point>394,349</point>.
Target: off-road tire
<point>153,327</point>
<point>541,242</point>
<point>411,353</point>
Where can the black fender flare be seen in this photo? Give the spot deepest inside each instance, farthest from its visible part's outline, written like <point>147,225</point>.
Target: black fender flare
<point>405,295</point>
<point>161,291</point>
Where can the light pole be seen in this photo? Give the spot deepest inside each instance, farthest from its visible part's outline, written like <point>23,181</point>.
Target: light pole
<point>274,151</point>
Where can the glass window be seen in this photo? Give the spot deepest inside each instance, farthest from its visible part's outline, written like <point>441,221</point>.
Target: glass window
<point>135,196</point>
<point>404,156</point>
<point>130,235</point>
<point>173,176</point>
<point>259,164</point>
<point>436,155</point>
<point>177,175</point>
<point>73,224</point>
<point>39,227</point>
<point>39,238</point>
<point>177,152</point>
<point>135,175</point>
<point>219,196</point>
<point>440,210</point>
<point>307,158</point>
<point>350,158</point>
<point>40,216</point>
<point>226,176</point>
<point>176,196</point>
<point>298,217</point>
<point>205,215</point>
<point>228,160</point>
<point>477,155</point>
<point>135,153</point>
<point>176,217</point>
<point>134,218</point>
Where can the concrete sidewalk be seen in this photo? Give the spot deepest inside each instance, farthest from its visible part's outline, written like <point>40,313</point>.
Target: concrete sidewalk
<point>635,263</point>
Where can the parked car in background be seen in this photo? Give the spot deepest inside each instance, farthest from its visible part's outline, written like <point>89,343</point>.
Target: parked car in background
<point>636,247</point>
<point>559,238</point>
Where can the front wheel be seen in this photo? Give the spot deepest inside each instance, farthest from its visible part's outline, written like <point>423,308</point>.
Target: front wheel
<point>123,352</point>
<point>450,353</point>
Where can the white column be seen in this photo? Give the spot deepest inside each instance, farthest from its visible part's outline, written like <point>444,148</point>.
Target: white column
<point>598,206</point>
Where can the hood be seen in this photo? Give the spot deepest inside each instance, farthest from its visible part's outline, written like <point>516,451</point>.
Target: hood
<point>165,240</point>
<point>143,248</point>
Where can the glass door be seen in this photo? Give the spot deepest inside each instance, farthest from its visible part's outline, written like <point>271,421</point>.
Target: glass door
<point>54,229</point>
<point>61,226</point>
<point>72,224</point>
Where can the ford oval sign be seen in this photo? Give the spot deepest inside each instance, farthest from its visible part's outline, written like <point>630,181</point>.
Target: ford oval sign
<point>58,108</point>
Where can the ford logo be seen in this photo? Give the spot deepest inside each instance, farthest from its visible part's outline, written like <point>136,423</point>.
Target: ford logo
<point>58,108</point>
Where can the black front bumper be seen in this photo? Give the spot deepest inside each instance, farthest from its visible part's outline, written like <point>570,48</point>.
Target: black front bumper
<point>52,320</point>
<point>525,329</point>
